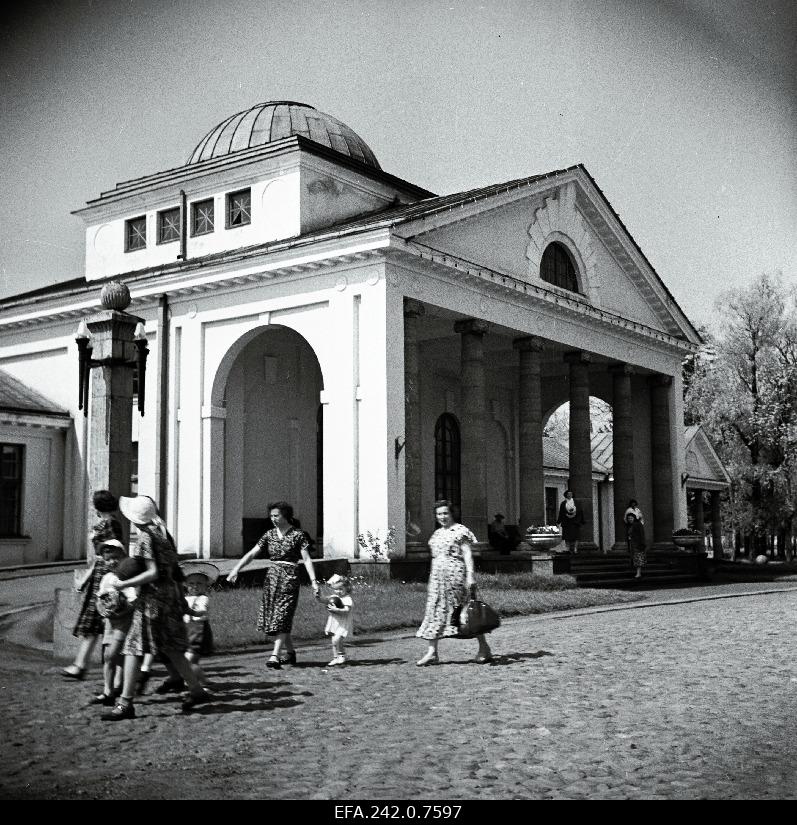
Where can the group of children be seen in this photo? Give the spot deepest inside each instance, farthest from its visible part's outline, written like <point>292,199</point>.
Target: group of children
<point>106,611</point>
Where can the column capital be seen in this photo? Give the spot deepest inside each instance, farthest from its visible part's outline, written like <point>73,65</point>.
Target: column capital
<point>660,380</point>
<point>413,308</point>
<point>578,357</point>
<point>528,343</point>
<point>621,369</point>
<point>471,326</point>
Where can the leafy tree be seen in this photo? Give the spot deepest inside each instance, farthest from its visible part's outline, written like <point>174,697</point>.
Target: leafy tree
<point>746,398</point>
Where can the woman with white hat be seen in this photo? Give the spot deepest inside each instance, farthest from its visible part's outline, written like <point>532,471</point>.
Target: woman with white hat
<point>157,625</point>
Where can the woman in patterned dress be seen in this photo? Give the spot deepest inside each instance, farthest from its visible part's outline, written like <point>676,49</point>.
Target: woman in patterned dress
<point>450,579</point>
<point>635,536</point>
<point>90,625</point>
<point>285,546</point>
<point>157,625</point>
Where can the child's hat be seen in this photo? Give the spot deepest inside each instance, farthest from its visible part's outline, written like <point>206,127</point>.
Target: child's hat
<point>115,544</point>
<point>337,579</point>
<point>200,568</point>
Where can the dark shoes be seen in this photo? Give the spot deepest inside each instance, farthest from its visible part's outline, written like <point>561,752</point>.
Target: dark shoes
<point>484,660</point>
<point>108,701</point>
<point>74,672</point>
<point>192,701</point>
<point>274,663</point>
<point>171,685</point>
<point>119,713</point>
<point>289,658</point>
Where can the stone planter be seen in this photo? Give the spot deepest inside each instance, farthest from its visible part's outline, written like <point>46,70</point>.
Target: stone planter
<point>686,541</point>
<point>542,541</point>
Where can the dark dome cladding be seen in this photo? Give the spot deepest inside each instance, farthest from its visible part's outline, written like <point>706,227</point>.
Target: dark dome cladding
<point>279,119</point>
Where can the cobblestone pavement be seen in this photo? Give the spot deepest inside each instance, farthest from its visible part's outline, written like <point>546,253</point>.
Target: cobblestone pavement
<point>677,701</point>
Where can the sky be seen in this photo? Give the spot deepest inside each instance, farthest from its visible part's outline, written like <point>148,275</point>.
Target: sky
<point>685,113</point>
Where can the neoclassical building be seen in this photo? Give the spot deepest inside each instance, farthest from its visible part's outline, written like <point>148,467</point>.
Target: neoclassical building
<point>325,332</point>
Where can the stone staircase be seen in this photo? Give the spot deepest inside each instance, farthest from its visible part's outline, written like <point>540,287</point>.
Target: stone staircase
<point>663,569</point>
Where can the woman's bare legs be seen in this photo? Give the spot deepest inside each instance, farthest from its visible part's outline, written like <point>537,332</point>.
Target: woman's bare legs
<point>430,655</point>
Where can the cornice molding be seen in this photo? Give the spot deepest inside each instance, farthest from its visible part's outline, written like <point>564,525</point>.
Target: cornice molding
<point>535,294</point>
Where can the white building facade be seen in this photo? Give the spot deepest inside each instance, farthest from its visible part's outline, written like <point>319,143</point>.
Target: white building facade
<point>326,333</point>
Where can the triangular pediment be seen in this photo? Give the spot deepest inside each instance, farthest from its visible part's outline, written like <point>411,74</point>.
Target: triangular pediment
<point>507,230</point>
<point>703,466</point>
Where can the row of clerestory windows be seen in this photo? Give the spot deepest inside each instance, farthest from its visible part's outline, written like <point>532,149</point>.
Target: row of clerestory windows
<point>202,220</point>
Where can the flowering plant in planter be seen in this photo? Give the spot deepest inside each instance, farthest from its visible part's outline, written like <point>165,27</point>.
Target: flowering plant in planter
<point>543,536</point>
<point>684,537</point>
<point>378,549</point>
<point>547,529</point>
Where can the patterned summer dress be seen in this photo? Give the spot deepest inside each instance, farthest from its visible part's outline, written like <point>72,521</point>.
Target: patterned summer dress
<point>635,536</point>
<point>447,588</point>
<point>281,585</point>
<point>157,625</point>
<point>89,622</point>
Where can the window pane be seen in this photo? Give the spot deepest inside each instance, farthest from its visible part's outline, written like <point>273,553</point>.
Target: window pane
<point>202,217</point>
<point>556,267</point>
<point>169,225</point>
<point>11,463</point>
<point>239,208</point>
<point>135,234</point>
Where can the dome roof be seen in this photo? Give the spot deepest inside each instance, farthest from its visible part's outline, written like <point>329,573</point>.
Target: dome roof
<point>277,119</point>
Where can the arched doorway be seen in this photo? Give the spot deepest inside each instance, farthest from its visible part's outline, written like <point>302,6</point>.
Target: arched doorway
<point>272,435</point>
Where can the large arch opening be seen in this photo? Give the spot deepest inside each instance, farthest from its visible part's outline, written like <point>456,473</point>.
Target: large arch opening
<point>273,434</point>
<point>556,441</point>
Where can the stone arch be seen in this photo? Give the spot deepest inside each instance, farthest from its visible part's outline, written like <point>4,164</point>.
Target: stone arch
<point>559,220</point>
<point>250,457</point>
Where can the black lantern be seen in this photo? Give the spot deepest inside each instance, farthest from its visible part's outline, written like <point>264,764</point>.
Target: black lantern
<point>86,363</point>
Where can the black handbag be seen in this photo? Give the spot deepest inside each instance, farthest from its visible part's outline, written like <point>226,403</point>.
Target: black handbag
<point>475,617</point>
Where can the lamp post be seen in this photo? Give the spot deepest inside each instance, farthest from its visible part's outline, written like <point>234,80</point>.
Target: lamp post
<point>111,343</point>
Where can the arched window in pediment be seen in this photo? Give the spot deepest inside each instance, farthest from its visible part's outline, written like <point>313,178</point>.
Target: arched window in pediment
<point>557,268</point>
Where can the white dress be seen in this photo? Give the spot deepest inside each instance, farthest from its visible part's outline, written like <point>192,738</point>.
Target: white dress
<point>341,624</point>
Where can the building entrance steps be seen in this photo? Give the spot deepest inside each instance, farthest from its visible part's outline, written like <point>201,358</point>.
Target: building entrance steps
<point>615,570</point>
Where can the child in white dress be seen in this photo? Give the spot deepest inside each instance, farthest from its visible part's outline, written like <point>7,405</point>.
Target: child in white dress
<point>116,607</point>
<point>340,624</point>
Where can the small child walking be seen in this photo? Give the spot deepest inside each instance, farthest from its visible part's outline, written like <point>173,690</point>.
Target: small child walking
<point>89,624</point>
<point>340,624</point>
<point>116,606</point>
<point>200,576</point>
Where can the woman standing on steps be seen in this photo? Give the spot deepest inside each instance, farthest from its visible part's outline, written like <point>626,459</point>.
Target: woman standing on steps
<point>635,536</point>
<point>286,547</point>
<point>450,578</point>
<point>571,518</point>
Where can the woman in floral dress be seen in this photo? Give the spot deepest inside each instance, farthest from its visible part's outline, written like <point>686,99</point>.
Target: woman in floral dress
<point>450,579</point>
<point>285,546</point>
<point>635,536</point>
<point>157,625</point>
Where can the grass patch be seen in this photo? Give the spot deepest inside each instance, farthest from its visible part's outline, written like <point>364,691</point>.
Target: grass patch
<point>391,605</point>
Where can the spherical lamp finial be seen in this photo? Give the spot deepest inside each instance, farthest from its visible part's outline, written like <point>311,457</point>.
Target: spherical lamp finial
<point>115,295</point>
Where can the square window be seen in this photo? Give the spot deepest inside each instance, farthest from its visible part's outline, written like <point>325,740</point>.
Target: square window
<point>202,217</point>
<point>239,208</point>
<point>136,234</point>
<point>169,225</point>
<point>11,464</point>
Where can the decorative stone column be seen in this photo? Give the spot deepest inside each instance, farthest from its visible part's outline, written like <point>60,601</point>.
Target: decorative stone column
<point>581,443</point>
<point>413,311</point>
<point>473,426</point>
<point>716,526</point>
<point>698,518</point>
<point>111,423</point>
<point>530,460</point>
<point>661,461</point>
<point>623,449</point>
